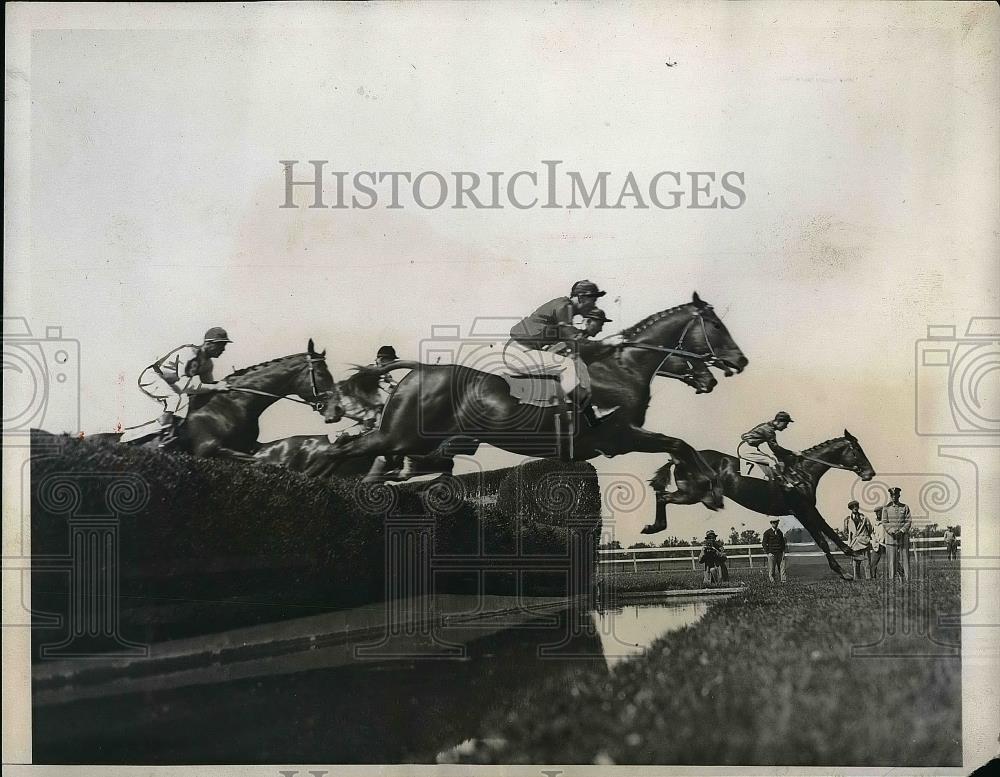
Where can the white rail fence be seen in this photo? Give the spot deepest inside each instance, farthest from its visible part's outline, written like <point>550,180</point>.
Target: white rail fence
<point>631,559</point>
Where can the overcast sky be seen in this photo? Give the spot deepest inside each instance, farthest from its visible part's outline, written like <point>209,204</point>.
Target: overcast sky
<point>868,138</point>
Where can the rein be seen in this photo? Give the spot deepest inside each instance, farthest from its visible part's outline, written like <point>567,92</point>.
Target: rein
<point>827,463</point>
<point>317,404</point>
<point>710,358</point>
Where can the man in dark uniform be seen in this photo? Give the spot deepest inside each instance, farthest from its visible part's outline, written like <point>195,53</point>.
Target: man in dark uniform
<point>543,343</point>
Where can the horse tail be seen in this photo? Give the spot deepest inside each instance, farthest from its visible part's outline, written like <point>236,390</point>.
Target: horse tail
<point>661,478</point>
<point>399,364</point>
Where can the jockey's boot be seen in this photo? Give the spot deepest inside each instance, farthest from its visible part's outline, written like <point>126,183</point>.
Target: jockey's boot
<point>582,402</point>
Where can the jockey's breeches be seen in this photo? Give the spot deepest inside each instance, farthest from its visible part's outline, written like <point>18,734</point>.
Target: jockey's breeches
<point>755,455</point>
<point>571,370</point>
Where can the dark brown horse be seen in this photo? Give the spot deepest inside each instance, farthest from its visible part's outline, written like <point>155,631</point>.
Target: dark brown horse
<point>766,496</point>
<point>226,424</point>
<point>437,403</point>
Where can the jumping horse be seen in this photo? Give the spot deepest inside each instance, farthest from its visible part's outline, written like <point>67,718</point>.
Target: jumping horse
<point>226,423</point>
<point>766,496</point>
<point>434,404</point>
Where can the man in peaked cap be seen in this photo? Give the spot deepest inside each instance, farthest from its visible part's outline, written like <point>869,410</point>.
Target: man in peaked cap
<point>543,343</point>
<point>184,372</point>
<point>749,448</point>
<point>897,520</point>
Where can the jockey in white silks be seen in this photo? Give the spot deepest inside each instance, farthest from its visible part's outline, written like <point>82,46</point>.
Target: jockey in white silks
<point>185,371</point>
<point>543,343</point>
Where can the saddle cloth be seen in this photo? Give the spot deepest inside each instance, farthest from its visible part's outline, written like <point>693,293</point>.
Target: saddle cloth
<point>485,355</point>
<point>537,390</point>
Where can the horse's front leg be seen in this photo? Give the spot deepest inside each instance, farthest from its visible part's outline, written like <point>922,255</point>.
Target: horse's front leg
<point>228,453</point>
<point>818,528</point>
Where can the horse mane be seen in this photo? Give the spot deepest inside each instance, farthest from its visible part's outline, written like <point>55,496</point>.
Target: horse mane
<point>253,367</point>
<point>365,380</point>
<point>648,321</point>
<point>825,442</point>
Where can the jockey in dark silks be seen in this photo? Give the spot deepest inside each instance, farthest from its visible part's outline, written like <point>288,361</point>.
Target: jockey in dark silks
<point>385,355</point>
<point>749,448</point>
<point>544,343</point>
<point>186,371</point>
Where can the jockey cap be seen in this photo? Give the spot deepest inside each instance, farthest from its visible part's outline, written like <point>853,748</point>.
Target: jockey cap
<point>586,287</point>
<point>598,315</point>
<point>217,335</point>
<point>781,415</point>
<point>388,352</point>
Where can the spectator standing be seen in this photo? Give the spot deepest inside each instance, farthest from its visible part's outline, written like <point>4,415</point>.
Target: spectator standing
<point>896,517</point>
<point>878,543</point>
<point>859,529</point>
<point>951,543</point>
<point>774,546</point>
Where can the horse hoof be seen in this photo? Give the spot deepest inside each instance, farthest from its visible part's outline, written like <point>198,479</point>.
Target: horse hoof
<point>652,528</point>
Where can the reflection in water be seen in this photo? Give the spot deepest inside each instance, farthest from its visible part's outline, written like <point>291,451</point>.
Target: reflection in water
<point>320,704</point>
<point>627,631</point>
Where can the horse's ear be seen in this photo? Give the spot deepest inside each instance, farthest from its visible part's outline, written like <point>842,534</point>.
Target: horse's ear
<point>324,353</point>
<point>312,348</point>
<point>696,299</point>
<point>849,436</point>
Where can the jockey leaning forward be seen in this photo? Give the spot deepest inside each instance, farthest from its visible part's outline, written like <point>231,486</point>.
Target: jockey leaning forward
<point>386,385</point>
<point>185,371</point>
<point>544,343</point>
<point>749,449</point>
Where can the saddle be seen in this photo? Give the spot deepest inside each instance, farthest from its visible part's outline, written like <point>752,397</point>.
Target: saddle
<point>536,390</point>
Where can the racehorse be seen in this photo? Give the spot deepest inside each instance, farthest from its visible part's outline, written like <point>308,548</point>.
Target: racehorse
<point>436,403</point>
<point>315,455</point>
<point>225,423</point>
<point>766,496</point>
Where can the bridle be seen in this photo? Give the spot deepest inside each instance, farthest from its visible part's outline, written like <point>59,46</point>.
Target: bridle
<point>317,403</point>
<point>835,465</point>
<point>709,359</point>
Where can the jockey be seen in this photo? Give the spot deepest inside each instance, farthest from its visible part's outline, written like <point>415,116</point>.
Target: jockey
<point>184,372</point>
<point>749,448</point>
<point>543,344</point>
<point>385,355</point>
<point>593,322</point>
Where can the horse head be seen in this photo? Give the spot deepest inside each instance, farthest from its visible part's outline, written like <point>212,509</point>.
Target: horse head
<point>692,372</point>
<point>854,458</point>
<point>316,385</point>
<point>710,335</point>
<point>360,395</point>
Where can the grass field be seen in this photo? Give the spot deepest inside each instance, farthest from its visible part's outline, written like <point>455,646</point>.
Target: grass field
<point>815,672</point>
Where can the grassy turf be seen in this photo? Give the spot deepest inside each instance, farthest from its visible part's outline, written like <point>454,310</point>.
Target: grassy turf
<point>766,677</point>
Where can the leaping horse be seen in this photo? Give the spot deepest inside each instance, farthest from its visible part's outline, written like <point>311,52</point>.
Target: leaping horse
<point>766,496</point>
<point>316,456</point>
<point>437,403</point>
<point>225,424</point>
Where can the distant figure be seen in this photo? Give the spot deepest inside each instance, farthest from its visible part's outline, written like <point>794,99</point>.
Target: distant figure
<point>951,543</point>
<point>774,546</point>
<point>859,529</point>
<point>896,517</point>
<point>878,543</point>
<point>711,559</point>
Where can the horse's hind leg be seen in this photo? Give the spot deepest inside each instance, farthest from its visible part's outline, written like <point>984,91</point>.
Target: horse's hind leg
<point>697,484</point>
